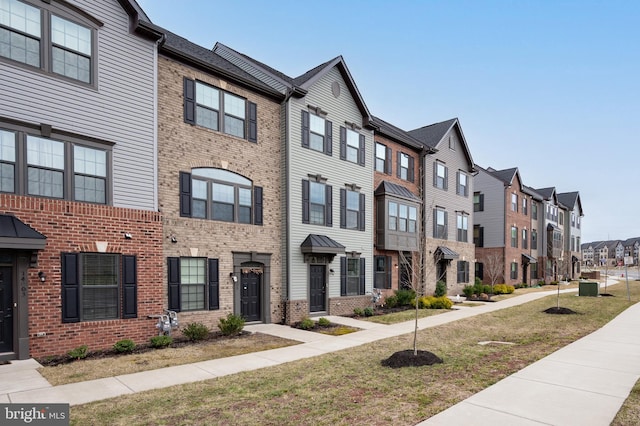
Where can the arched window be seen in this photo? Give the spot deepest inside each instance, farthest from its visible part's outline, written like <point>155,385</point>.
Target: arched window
<point>219,194</point>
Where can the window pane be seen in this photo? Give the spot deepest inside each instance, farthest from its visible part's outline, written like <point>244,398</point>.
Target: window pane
<point>316,142</point>
<point>199,189</point>
<point>244,214</point>
<point>192,270</point>
<point>19,48</point>
<point>207,118</point>
<point>233,126</point>
<point>234,105</point>
<point>71,64</point>
<point>353,145</point>
<point>316,124</point>
<point>244,197</point>
<point>352,219</point>
<point>99,286</point>
<point>220,174</point>
<point>223,193</point>
<point>353,200</point>
<point>45,153</point>
<point>199,208</point>
<point>47,183</point>
<point>207,96</point>
<point>90,189</point>
<point>20,16</point>
<point>70,35</point>
<point>317,192</point>
<point>222,211</point>
<point>7,146</point>
<point>90,161</point>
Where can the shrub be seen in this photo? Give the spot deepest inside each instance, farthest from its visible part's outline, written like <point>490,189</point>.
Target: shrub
<point>405,297</point>
<point>195,331</point>
<point>468,290</point>
<point>391,301</point>
<point>124,346</point>
<point>439,302</point>
<point>499,289</point>
<point>307,324</point>
<point>233,324</point>
<point>323,322</point>
<point>160,341</point>
<point>441,289</point>
<point>510,289</point>
<point>359,312</point>
<point>79,352</point>
<point>477,281</point>
<point>368,311</point>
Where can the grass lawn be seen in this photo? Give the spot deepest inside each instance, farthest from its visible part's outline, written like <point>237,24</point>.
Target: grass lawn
<point>629,414</point>
<point>408,315</point>
<point>351,387</point>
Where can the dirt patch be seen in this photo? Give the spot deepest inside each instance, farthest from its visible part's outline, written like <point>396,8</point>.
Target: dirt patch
<point>407,358</point>
<point>559,311</point>
<point>331,329</point>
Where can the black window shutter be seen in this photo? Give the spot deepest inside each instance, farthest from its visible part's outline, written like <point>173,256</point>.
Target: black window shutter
<point>398,164</point>
<point>328,138</point>
<point>189,101</point>
<point>173,274</point>
<point>361,215</point>
<point>446,178</point>
<point>305,201</point>
<point>129,287</point>
<point>387,161</point>
<point>411,172</point>
<point>343,276</point>
<point>363,274</point>
<point>252,135</point>
<point>343,208</point>
<point>435,223</point>
<point>185,194</point>
<point>70,288</point>
<point>257,205</point>
<point>361,151</point>
<point>214,285</point>
<point>343,143</point>
<point>305,129</point>
<point>389,271</point>
<point>446,226</point>
<point>329,201</point>
<point>458,183</point>
<point>435,174</point>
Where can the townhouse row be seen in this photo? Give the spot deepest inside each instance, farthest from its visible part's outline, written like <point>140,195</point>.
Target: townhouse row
<point>140,172</point>
<point>611,252</point>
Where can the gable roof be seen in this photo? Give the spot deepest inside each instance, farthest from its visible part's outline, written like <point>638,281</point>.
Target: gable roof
<point>297,86</point>
<point>389,130</point>
<point>432,135</point>
<point>571,200</point>
<point>532,192</point>
<point>188,52</point>
<point>140,22</point>
<point>548,193</point>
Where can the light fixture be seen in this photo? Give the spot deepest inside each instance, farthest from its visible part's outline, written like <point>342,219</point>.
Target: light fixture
<point>42,276</point>
<point>234,278</point>
<point>128,236</point>
<point>173,239</point>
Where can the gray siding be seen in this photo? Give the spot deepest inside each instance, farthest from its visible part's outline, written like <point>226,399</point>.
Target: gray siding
<point>304,161</point>
<point>454,160</point>
<point>492,219</point>
<point>121,110</point>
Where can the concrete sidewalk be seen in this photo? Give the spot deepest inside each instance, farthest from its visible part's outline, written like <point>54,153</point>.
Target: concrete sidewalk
<point>596,369</point>
<point>584,383</point>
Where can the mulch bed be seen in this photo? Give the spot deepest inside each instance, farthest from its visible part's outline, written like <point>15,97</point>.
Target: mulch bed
<point>178,342</point>
<point>407,358</point>
<point>559,311</point>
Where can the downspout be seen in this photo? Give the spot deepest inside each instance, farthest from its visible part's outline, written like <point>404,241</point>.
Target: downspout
<point>287,219</point>
<point>158,43</point>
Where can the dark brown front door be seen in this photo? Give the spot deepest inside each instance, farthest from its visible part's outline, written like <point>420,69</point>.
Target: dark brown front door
<point>6,310</point>
<point>317,288</point>
<point>250,296</point>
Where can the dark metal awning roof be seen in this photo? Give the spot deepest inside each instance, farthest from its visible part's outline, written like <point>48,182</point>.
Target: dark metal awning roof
<point>389,188</point>
<point>15,234</point>
<point>321,244</point>
<point>574,259</point>
<point>445,253</point>
<point>528,259</point>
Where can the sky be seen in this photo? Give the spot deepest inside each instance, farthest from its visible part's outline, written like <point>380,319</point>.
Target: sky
<point>551,87</point>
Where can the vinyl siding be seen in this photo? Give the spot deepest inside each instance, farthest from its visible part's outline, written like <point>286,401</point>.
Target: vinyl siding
<point>304,161</point>
<point>492,219</point>
<point>121,110</point>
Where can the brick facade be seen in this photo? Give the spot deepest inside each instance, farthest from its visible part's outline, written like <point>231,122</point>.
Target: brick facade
<point>378,178</point>
<point>182,147</point>
<point>76,227</point>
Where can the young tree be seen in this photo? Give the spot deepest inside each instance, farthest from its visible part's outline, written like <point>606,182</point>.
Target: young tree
<point>493,268</point>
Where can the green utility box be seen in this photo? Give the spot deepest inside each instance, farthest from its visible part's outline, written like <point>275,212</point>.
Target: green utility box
<point>588,288</point>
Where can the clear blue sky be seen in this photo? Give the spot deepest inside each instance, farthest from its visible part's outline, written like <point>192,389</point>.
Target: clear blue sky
<point>551,87</point>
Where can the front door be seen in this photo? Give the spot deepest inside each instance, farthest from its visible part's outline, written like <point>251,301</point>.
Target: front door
<point>250,296</point>
<point>6,310</point>
<point>441,270</point>
<point>317,288</point>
